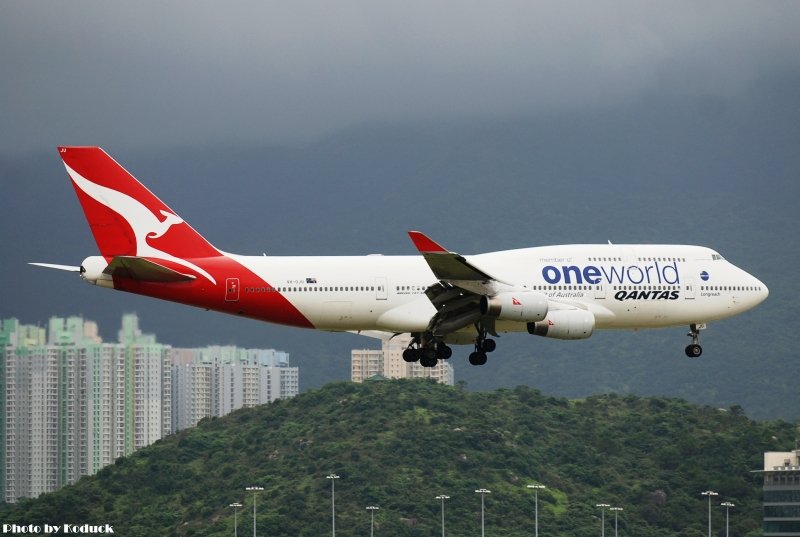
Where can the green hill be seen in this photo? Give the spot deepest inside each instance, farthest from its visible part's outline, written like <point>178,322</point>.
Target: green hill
<point>398,444</point>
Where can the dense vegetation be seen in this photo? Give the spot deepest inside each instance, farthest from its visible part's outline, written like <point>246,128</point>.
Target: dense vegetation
<point>398,444</point>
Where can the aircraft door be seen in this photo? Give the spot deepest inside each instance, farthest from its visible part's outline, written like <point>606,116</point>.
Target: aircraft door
<point>600,290</point>
<point>231,289</point>
<point>381,288</point>
<point>688,290</point>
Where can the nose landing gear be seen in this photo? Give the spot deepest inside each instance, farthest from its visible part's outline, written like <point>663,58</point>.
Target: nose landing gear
<point>694,350</point>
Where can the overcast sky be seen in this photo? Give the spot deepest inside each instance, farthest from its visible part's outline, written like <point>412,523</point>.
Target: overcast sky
<point>153,73</point>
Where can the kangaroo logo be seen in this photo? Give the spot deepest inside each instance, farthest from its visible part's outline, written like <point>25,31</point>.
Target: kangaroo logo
<point>170,220</point>
<point>144,223</point>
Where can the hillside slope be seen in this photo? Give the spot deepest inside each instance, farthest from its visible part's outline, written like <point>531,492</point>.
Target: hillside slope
<point>398,444</point>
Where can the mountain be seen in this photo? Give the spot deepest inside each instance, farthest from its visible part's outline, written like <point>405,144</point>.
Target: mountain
<point>398,444</point>
<point>697,171</point>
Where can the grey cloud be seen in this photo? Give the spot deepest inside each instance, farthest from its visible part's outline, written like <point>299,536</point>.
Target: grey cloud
<point>146,73</point>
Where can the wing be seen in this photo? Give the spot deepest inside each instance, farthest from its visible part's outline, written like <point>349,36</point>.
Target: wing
<point>461,288</point>
<point>454,268</point>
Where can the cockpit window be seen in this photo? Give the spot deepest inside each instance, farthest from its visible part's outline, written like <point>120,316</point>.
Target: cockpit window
<point>716,257</point>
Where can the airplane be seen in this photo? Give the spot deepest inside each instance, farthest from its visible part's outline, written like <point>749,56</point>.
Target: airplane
<point>440,297</point>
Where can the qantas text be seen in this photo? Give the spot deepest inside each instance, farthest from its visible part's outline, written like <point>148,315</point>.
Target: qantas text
<point>649,274</point>
<point>647,295</point>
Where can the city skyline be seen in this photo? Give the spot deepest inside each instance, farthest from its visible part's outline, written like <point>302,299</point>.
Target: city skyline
<point>72,404</point>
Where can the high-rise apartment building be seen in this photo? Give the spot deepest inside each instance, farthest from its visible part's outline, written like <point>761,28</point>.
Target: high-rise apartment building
<point>365,363</point>
<point>103,415</point>
<point>71,404</point>
<point>388,362</point>
<point>217,380</point>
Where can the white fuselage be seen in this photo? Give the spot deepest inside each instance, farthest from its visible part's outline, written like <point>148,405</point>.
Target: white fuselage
<point>624,286</point>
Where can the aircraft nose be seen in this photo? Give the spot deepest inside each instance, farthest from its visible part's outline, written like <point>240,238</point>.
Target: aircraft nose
<point>762,291</point>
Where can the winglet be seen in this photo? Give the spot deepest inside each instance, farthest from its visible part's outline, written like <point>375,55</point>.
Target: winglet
<point>425,244</point>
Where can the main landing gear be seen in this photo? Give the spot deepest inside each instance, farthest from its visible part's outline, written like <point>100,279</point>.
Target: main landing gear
<point>427,355</point>
<point>430,356</point>
<point>483,345</point>
<point>429,352</point>
<point>694,350</point>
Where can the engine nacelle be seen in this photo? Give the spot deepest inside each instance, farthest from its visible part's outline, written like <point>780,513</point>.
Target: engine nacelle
<point>92,271</point>
<point>564,324</point>
<point>525,306</point>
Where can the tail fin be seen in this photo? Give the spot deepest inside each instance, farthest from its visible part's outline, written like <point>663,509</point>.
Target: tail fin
<point>124,216</point>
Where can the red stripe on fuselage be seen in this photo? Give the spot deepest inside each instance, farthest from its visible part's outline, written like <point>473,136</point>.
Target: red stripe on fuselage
<point>271,307</point>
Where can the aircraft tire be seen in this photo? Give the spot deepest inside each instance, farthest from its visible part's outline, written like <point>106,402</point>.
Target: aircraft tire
<point>488,345</point>
<point>694,350</point>
<point>443,352</point>
<point>411,355</point>
<point>427,360</point>
<point>477,358</point>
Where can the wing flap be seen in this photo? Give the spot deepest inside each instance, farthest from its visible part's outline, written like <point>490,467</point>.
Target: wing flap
<point>144,270</point>
<point>455,307</point>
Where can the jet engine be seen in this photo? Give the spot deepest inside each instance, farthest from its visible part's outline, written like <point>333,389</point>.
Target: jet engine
<point>564,324</point>
<point>525,306</point>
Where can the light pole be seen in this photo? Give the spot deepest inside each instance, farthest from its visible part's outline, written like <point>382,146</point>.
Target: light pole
<point>602,507</point>
<point>254,489</point>
<point>333,478</point>
<point>616,512</point>
<point>536,488</point>
<point>235,506</point>
<point>482,492</point>
<point>709,493</point>
<point>443,498</point>
<point>727,506</point>
<point>372,509</point>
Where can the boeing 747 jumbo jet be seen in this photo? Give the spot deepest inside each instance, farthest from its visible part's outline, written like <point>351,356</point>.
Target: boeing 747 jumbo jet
<point>440,297</point>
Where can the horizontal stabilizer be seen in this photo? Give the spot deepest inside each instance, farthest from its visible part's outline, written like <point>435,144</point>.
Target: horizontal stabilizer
<point>141,269</point>
<point>68,268</point>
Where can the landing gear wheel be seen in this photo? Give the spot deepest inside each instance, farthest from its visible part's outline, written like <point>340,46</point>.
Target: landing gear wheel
<point>488,345</point>
<point>477,358</point>
<point>428,359</point>
<point>694,350</point>
<point>411,355</point>
<point>443,352</point>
